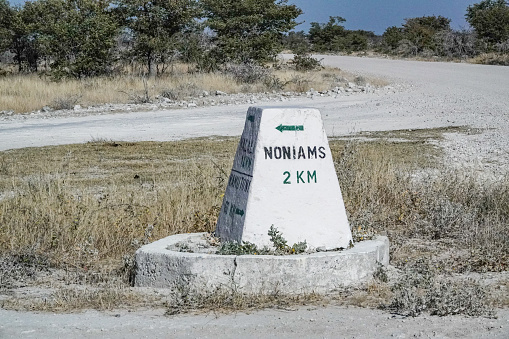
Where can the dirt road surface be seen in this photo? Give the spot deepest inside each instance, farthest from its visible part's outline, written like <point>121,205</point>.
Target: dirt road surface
<point>305,322</point>
<point>433,95</point>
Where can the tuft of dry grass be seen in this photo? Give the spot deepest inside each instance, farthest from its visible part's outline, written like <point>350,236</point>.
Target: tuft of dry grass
<point>79,298</point>
<point>225,300</point>
<point>322,80</point>
<point>491,59</point>
<point>426,208</point>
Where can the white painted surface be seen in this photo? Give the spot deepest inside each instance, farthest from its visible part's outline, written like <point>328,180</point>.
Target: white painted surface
<point>162,265</point>
<point>284,178</point>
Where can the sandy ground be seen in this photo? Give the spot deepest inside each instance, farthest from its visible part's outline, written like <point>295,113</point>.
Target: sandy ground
<point>430,95</point>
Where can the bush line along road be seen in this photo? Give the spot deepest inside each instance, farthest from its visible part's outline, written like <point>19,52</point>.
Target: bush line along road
<point>423,95</point>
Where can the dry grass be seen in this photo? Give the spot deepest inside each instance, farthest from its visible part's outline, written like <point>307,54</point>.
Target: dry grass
<point>226,300</point>
<point>451,216</point>
<point>491,59</point>
<point>26,93</point>
<point>322,80</point>
<point>78,298</point>
<point>82,204</point>
<point>86,209</point>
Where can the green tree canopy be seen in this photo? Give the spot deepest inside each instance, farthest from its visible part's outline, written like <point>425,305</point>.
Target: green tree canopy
<point>332,36</point>
<point>6,17</point>
<point>249,29</point>
<point>416,35</point>
<point>5,14</point>
<point>421,31</point>
<point>78,36</point>
<point>17,36</point>
<point>490,19</point>
<point>153,25</point>
<point>392,36</point>
<point>322,35</point>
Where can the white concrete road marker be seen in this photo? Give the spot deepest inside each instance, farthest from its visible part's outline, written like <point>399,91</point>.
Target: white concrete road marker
<point>283,175</point>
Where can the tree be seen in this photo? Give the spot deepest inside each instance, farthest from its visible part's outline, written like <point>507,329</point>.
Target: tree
<point>153,25</point>
<point>421,31</point>
<point>77,36</point>
<point>392,36</point>
<point>249,30</point>
<point>417,35</point>
<point>332,36</point>
<point>490,20</point>
<point>297,42</point>
<point>6,16</point>
<point>322,36</point>
<point>16,35</point>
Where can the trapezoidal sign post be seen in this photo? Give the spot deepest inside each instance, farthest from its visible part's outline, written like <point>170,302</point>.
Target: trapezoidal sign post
<point>283,175</point>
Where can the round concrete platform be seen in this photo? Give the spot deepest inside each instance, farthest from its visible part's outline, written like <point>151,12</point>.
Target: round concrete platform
<point>189,260</point>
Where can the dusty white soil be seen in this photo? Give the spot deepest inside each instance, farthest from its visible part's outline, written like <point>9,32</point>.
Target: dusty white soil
<point>423,95</point>
<point>304,322</point>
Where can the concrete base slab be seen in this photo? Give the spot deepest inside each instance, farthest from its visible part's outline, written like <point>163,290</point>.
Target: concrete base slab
<point>188,260</point>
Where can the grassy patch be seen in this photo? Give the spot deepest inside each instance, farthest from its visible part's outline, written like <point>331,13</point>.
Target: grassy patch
<point>82,204</point>
<point>230,299</point>
<point>85,209</point>
<point>421,289</point>
<point>25,93</point>
<point>69,299</point>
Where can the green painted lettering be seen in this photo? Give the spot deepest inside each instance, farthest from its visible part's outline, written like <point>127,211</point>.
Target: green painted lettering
<point>246,162</point>
<point>311,176</point>
<point>299,177</point>
<point>287,180</point>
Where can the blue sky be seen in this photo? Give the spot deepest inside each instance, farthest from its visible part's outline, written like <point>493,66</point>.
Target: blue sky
<point>376,15</point>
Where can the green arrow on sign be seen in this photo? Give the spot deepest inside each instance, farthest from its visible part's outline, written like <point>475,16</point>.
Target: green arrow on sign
<point>282,128</point>
<point>239,211</point>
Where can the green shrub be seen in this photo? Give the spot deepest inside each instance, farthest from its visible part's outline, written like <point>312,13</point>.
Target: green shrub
<point>305,62</point>
<point>422,290</point>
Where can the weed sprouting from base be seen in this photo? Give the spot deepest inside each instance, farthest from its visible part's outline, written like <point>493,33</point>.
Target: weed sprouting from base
<point>245,248</point>
<point>277,239</point>
<point>279,244</point>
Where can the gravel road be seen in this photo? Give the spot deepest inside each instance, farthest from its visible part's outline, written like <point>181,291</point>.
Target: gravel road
<point>304,322</point>
<point>431,95</point>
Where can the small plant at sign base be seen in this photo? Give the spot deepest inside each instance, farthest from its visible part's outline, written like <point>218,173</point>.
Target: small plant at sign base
<point>276,237</point>
<point>280,243</point>
<point>360,234</point>
<point>235,248</point>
